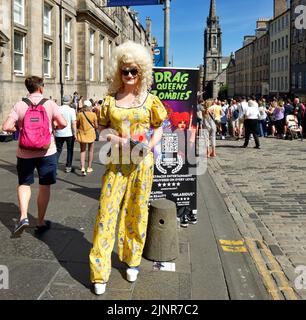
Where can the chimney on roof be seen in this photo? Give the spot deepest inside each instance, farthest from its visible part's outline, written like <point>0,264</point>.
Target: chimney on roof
<point>262,26</point>
<point>149,28</point>
<point>280,6</point>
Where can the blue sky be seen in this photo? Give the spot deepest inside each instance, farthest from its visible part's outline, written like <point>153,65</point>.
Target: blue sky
<point>188,20</point>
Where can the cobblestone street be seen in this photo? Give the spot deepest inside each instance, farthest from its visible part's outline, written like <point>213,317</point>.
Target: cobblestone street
<point>265,191</point>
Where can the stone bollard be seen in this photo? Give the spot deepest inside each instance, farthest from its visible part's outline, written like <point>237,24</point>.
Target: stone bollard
<point>162,237</point>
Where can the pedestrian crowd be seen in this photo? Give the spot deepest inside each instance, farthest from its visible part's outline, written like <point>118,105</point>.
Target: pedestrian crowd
<point>245,117</point>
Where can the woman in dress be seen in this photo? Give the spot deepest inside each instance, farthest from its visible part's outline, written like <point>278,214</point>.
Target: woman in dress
<point>87,123</point>
<point>129,111</point>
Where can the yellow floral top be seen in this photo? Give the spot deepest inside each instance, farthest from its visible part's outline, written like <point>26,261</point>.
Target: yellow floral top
<point>133,121</point>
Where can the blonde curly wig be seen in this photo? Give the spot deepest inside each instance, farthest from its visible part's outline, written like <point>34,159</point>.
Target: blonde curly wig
<point>131,53</point>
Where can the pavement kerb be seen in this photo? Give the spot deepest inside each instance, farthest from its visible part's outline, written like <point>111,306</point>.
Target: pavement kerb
<point>250,233</point>
<point>274,278</point>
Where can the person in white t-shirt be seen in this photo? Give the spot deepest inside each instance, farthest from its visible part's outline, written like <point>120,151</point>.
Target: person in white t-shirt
<point>68,134</point>
<point>251,123</point>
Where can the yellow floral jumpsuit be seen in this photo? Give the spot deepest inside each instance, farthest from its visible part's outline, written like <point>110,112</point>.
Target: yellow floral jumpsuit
<point>126,190</point>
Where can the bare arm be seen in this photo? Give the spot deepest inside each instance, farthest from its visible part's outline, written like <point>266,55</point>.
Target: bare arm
<point>61,122</point>
<point>74,128</point>
<point>9,125</point>
<point>109,136</point>
<point>156,137</point>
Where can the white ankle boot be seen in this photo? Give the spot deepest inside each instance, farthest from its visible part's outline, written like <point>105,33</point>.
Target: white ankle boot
<point>132,274</point>
<point>99,288</point>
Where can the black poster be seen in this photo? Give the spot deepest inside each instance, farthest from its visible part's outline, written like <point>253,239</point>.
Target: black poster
<point>175,162</point>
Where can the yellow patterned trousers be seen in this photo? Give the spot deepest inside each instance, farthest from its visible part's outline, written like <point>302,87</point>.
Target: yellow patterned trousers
<point>126,191</point>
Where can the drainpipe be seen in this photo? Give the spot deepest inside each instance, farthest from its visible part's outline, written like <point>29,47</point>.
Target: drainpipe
<point>61,50</point>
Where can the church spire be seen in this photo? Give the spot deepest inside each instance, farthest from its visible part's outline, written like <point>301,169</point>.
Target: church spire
<point>213,12</point>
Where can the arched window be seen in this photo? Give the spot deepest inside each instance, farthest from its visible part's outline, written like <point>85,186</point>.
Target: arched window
<point>214,41</point>
<point>214,65</point>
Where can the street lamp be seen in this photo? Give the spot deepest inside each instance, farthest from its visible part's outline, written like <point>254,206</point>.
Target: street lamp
<point>167,32</point>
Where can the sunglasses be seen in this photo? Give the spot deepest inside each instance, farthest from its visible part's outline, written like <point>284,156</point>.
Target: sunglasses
<point>126,72</point>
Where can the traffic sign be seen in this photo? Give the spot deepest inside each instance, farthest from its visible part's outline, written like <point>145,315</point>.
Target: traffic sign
<point>118,3</point>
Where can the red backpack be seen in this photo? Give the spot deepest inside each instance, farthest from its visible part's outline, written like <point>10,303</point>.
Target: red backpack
<point>35,132</point>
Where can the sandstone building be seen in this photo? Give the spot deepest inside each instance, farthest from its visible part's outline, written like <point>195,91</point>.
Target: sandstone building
<point>68,42</point>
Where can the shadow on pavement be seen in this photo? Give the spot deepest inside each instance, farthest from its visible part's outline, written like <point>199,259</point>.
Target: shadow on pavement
<point>93,193</point>
<point>66,244</point>
<point>230,146</point>
<point>8,166</point>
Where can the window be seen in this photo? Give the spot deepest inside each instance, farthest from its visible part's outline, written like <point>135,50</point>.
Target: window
<point>275,84</point>
<point>293,80</point>
<point>110,49</point>
<point>92,55</point>
<point>19,48</point>
<point>47,59</point>
<point>286,63</point>
<point>92,42</point>
<point>47,19</point>
<point>300,80</point>
<point>67,30</point>
<point>287,41</point>
<point>67,63</point>
<point>19,11</point>
<point>286,84</point>
<point>214,42</point>
<point>283,43</point>
<point>275,46</point>
<point>91,68</point>
<point>102,59</point>
<point>214,65</point>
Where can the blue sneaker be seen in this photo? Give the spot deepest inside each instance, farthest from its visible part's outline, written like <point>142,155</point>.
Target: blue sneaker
<point>20,227</point>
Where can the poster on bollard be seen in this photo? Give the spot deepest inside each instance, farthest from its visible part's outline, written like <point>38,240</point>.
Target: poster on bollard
<point>175,156</point>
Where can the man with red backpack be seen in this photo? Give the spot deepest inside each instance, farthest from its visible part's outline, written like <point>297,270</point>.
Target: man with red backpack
<point>34,118</point>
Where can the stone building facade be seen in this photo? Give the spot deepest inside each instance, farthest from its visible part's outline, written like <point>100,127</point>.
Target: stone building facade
<point>280,54</point>
<point>68,42</point>
<point>298,50</point>
<point>262,65</point>
<point>261,59</point>
<point>244,69</point>
<point>231,76</point>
